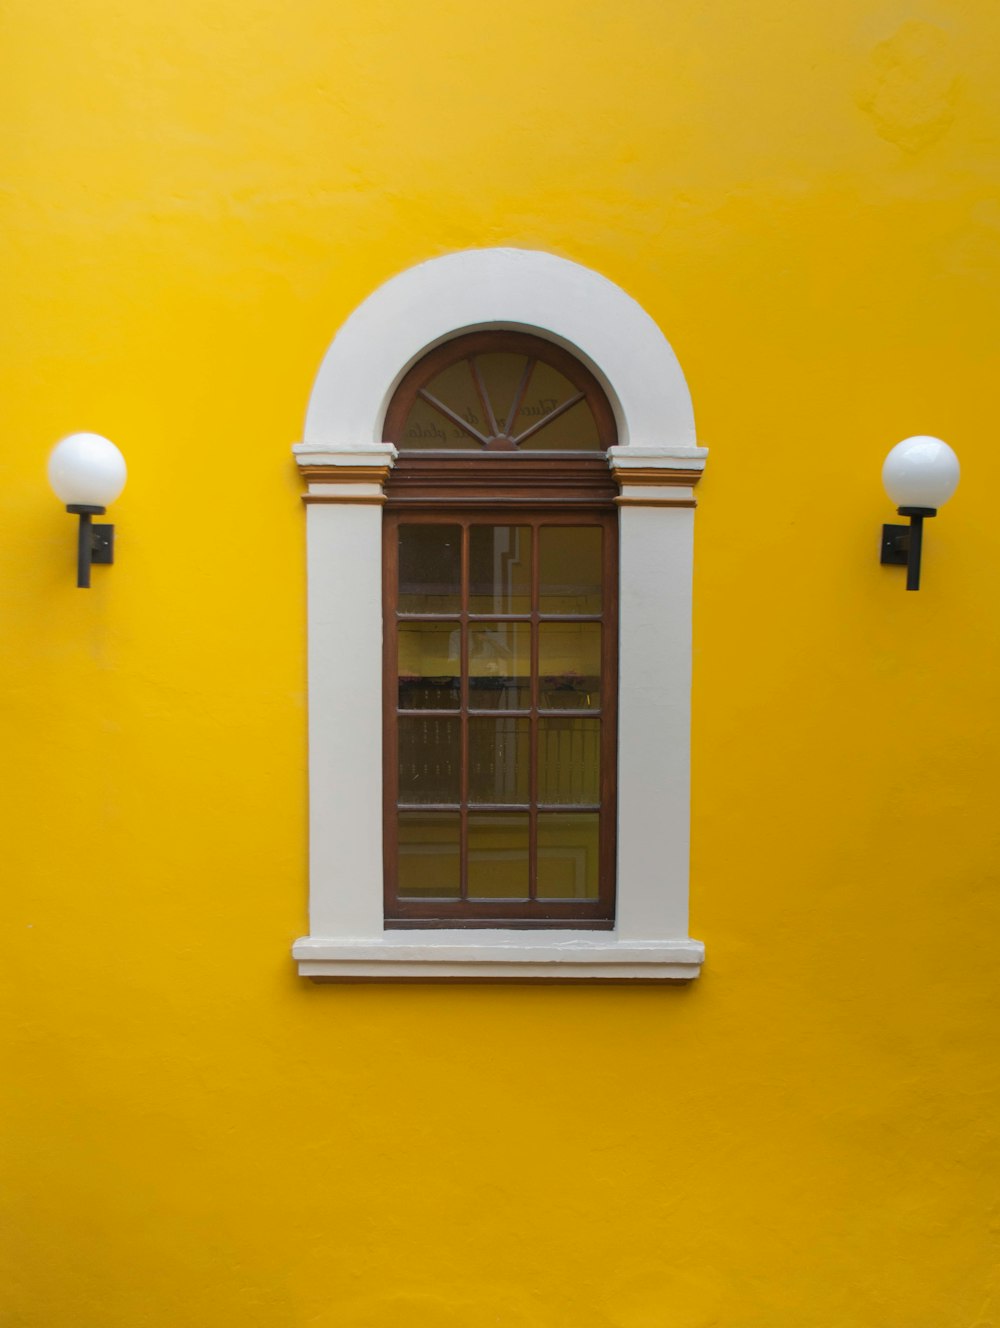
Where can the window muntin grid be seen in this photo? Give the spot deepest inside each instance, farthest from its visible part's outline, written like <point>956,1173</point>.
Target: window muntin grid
<point>500,718</point>
<point>500,392</point>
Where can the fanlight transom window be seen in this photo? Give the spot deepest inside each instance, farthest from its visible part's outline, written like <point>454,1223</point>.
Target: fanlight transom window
<point>500,392</point>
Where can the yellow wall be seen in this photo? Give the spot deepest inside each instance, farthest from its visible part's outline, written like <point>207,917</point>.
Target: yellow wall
<point>805,197</point>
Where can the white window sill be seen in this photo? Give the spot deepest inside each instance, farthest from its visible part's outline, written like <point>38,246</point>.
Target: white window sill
<point>489,956</point>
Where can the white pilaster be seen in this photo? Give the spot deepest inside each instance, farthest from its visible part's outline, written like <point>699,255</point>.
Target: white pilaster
<point>344,557</point>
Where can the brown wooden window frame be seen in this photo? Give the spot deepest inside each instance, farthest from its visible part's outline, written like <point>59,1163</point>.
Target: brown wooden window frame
<point>497,439</point>
<point>494,484</point>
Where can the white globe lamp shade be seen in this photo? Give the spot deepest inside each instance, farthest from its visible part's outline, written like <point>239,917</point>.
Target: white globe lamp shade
<point>87,470</point>
<point>920,472</point>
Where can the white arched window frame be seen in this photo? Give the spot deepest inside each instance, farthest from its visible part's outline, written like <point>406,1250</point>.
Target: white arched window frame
<point>345,462</point>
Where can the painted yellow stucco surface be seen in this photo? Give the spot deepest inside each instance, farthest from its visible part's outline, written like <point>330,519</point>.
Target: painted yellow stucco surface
<point>806,198</point>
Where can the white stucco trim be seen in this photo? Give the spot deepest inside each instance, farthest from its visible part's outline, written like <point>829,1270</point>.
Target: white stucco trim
<point>500,288</point>
<point>322,454</point>
<point>345,461</point>
<point>457,954</point>
<point>636,457</point>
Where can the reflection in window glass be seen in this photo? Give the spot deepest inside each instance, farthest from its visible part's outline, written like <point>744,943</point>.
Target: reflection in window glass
<point>499,752</point>
<point>430,568</point>
<point>569,569</point>
<point>567,855</point>
<point>569,760</point>
<point>500,569</point>
<point>429,760</point>
<point>569,665</point>
<point>428,855</point>
<point>429,665</point>
<point>498,855</point>
<point>500,666</point>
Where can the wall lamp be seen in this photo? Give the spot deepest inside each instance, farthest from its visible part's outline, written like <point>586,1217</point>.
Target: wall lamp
<point>920,474</point>
<point>87,472</point>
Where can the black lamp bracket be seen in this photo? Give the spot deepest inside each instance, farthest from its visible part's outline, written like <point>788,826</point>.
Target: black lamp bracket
<point>902,545</point>
<point>95,543</point>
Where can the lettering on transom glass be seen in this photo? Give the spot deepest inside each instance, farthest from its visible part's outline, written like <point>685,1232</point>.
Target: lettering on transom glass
<point>500,392</point>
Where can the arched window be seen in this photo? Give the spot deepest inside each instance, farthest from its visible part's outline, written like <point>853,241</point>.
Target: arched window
<point>500,629</point>
<point>500,392</point>
<point>500,530</point>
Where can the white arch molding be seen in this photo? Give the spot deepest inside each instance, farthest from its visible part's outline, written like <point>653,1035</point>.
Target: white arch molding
<point>344,460</point>
<point>515,289</point>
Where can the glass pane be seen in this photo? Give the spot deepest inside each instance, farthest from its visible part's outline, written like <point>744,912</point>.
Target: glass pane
<point>430,568</point>
<point>455,388</point>
<point>500,569</point>
<point>567,855</point>
<point>569,760</point>
<point>547,389</point>
<point>501,374</point>
<point>576,428</point>
<point>573,431</point>
<point>569,569</point>
<point>429,760</point>
<point>428,855</point>
<point>498,856</point>
<point>429,666</point>
<point>569,665</point>
<point>427,428</point>
<point>500,666</point>
<point>499,754</point>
